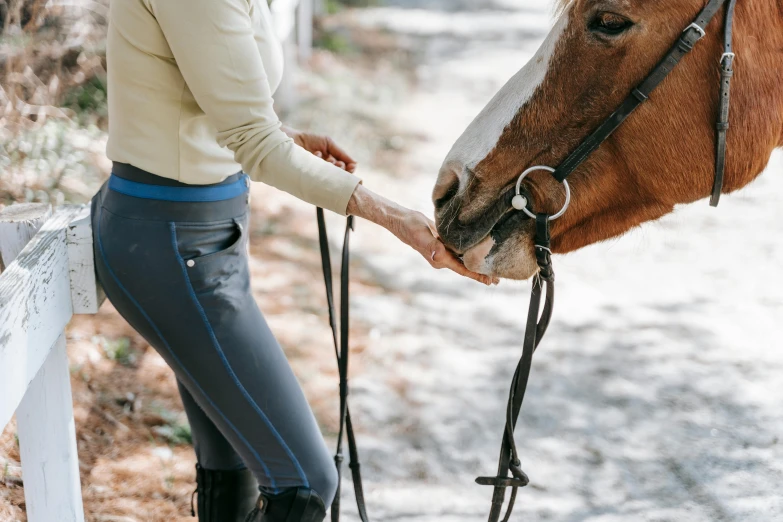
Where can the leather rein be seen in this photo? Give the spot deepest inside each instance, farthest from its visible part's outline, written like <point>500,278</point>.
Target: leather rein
<point>510,474</point>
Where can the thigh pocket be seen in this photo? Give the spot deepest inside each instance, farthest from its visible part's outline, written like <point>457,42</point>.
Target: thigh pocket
<point>198,242</point>
<point>215,260</point>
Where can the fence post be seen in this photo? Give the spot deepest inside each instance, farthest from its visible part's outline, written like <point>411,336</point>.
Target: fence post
<point>284,14</point>
<point>304,30</point>
<point>47,435</point>
<point>87,295</point>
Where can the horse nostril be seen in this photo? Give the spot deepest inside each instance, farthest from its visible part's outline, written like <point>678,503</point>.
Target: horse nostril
<point>446,195</point>
<point>446,188</point>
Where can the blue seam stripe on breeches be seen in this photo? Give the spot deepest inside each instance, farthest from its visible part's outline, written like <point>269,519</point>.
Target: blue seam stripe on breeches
<point>174,356</point>
<point>227,365</point>
<point>196,194</point>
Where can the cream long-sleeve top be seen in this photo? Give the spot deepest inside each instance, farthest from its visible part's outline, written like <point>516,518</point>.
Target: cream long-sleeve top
<point>190,86</point>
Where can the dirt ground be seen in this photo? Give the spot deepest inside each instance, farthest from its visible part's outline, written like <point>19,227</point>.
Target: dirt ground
<point>655,397</point>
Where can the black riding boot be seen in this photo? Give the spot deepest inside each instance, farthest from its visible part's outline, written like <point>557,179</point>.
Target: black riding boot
<point>224,496</point>
<point>294,505</point>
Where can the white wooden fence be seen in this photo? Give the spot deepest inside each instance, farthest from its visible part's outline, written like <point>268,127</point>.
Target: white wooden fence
<point>293,21</point>
<point>49,276</point>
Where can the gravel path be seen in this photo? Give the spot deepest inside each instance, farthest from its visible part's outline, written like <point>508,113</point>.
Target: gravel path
<point>657,394</point>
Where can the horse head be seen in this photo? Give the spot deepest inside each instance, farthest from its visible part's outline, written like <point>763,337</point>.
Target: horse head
<point>664,155</point>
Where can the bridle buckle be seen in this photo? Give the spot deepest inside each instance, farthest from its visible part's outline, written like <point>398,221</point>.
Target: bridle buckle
<point>694,25</point>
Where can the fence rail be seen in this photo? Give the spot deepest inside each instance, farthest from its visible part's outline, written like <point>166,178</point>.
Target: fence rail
<point>49,277</point>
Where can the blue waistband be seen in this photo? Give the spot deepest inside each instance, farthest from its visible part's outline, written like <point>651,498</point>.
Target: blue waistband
<point>193,194</point>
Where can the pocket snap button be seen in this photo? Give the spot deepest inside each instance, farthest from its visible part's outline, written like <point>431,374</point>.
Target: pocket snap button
<point>191,263</point>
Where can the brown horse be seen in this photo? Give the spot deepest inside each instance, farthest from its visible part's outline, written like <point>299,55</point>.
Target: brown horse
<point>597,52</point>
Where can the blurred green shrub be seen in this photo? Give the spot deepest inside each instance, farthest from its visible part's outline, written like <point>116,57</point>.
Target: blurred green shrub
<point>334,5</point>
<point>88,101</point>
<point>333,41</point>
<point>56,161</point>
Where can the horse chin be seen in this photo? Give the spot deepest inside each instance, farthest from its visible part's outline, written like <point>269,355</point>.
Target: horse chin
<point>511,259</point>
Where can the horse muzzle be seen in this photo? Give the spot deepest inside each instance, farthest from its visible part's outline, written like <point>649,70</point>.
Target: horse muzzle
<point>499,242</point>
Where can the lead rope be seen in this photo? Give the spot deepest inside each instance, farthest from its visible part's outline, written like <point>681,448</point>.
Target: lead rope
<point>341,350</point>
<point>509,462</point>
<point>535,330</point>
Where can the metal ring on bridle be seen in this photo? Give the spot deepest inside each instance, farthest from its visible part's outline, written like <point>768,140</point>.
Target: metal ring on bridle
<point>520,202</point>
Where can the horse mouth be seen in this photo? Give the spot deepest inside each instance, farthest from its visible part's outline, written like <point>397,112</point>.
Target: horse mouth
<point>507,226</point>
<point>497,243</point>
<point>460,236</point>
<point>506,251</point>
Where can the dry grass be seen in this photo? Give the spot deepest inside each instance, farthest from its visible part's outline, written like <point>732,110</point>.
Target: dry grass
<point>52,100</point>
<point>46,50</point>
<point>128,468</point>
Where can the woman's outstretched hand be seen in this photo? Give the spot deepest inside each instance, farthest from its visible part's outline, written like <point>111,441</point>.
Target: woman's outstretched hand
<point>418,232</point>
<point>323,147</point>
<point>412,228</point>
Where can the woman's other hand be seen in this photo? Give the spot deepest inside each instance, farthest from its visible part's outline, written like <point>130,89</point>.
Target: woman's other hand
<point>323,147</point>
<point>412,228</point>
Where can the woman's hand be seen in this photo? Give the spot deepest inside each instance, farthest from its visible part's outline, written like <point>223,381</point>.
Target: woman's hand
<point>418,232</point>
<point>323,147</point>
<point>412,228</point>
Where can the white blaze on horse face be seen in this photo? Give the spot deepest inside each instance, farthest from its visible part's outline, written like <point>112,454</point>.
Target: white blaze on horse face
<point>481,137</point>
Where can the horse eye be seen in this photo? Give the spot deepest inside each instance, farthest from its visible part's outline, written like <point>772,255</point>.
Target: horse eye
<point>610,24</point>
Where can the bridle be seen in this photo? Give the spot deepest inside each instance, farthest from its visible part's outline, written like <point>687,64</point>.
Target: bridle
<point>510,474</point>
<point>509,462</point>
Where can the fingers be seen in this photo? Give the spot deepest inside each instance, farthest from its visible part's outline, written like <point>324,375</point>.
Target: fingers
<point>442,258</point>
<point>338,153</point>
<point>350,167</point>
<point>455,265</point>
<point>421,234</point>
<point>333,154</point>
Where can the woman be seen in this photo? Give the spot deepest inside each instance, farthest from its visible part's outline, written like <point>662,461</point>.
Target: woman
<point>190,103</point>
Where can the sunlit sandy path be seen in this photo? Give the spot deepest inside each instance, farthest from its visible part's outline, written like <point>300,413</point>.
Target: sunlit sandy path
<point>657,394</point>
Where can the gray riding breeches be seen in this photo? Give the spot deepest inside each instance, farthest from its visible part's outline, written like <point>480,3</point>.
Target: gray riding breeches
<point>172,259</point>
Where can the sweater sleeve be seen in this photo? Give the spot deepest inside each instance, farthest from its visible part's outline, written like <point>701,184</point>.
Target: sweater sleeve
<point>213,44</point>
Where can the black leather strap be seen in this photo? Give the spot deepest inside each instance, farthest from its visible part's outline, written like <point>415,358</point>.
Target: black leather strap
<point>684,45</point>
<point>722,127</point>
<point>341,350</point>
<point>509,461</point>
